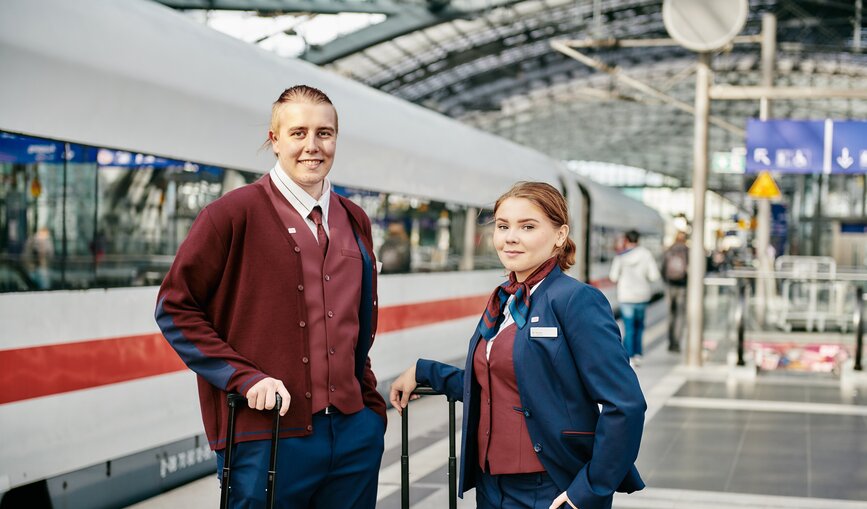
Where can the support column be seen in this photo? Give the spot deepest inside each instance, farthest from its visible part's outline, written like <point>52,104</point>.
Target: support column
<point>695,282</point>
<point>765,288</point>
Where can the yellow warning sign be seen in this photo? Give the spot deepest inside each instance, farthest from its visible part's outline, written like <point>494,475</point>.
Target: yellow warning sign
<point>764,187</point>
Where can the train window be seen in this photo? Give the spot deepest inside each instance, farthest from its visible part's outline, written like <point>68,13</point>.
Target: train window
<point>81,217</point>
<point>77,217</point>
<point>485,256</point>
<point>412,234</point>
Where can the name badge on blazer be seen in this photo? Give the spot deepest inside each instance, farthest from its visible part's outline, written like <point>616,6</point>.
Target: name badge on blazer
<point>543,332</point>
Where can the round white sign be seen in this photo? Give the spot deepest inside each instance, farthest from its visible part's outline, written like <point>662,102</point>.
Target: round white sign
<point>704,25</point>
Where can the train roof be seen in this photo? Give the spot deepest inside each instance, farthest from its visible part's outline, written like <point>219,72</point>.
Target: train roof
<point>138,76</point>
<point>612,209</point>
<point>135,75</point>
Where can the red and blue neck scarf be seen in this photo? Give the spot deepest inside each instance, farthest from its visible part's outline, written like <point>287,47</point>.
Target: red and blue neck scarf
<point>520,305</point>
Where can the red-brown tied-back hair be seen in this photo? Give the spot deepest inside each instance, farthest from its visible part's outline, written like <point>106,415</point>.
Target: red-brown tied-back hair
<point>553,204</point>
<point>297,94</point>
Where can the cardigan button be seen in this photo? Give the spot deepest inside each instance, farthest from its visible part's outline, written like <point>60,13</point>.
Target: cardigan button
<point>297,249</point>
<point>327,277</point>
<point>300,288</point>
<point>305,360</point>
<point>308,395</point>
<point>309,427</point>
<point>302,324</point>
<point>331,314</point>
<point>537,447</point>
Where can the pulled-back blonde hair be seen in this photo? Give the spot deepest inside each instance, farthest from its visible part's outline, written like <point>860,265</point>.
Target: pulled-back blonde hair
<point>297,94</point>
<point>553,204</point>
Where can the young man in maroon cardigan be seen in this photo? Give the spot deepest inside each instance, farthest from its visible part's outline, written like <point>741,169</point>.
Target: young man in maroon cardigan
<point>274,292</point>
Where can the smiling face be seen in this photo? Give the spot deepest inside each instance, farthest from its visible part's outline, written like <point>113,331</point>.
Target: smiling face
<point>305,143</point>
<point>524,236</point>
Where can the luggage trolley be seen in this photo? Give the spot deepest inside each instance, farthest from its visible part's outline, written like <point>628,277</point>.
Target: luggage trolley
<point>404,452</point>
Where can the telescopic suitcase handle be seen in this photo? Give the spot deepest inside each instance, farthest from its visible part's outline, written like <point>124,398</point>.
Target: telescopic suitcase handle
<point>404,452</point>
<point>235,400</point>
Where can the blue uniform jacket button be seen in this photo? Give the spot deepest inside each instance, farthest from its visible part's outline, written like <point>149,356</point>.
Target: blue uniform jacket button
<point>526,413</point>
<point>537,447</point>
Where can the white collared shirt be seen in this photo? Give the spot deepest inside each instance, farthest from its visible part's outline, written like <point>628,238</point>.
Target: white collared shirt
<point>507,320</point>
<point>300,200</point>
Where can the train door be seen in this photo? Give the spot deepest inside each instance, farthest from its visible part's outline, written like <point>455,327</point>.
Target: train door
<point>578,200</point>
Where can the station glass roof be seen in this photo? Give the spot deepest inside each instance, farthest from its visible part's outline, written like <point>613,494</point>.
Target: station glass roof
<point>489,63</point>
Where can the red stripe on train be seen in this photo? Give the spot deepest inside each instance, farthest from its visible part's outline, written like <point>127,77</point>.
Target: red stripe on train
<point>34,372</point>
<point>45,370</point>
<point>394,318</point>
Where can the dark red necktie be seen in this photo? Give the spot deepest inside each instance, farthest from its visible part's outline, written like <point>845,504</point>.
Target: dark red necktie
<point>316,216</point>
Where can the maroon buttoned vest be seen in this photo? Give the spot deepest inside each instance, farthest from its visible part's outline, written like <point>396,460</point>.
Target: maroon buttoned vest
<point>504,443</point>
<point>332,292</point>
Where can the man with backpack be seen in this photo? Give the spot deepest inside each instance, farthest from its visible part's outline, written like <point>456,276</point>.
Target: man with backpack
<point>674,272</point>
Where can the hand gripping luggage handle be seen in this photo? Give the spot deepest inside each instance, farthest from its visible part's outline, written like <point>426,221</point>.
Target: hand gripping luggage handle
<point>404,452</point>
<point>234,401</point>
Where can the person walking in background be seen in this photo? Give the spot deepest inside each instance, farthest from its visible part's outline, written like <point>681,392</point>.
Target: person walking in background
<point>545,358</point>
<point>274,292</point>
<point>675,261</point>
<point>633,269</point>
<point>394,254</point>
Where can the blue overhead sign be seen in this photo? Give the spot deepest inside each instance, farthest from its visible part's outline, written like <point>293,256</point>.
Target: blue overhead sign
<point>806,146</point>
<point>789,146</point>
<point>849,147</point>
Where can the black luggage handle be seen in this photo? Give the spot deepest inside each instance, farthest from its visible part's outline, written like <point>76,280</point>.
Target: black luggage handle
<point>404,452</point>
<point>234,401</point>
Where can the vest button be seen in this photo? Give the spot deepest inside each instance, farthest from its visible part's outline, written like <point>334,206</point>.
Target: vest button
<point>300,288</point>
<point>309,427</point>
<point>332,388</point>
<point>537,447</point>
<point>297,249</point>
<point>302,324</point>
<point>308,395</point>
<point>305,360</point>
<point>331,314</point>
<point>327,277</point>
<point>331,350</point>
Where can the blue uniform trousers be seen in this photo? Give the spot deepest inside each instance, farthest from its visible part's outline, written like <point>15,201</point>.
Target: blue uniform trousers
<point>334,468</point>
<point>515,491</point>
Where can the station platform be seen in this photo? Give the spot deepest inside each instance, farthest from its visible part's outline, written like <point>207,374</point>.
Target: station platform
<point>713,440</point>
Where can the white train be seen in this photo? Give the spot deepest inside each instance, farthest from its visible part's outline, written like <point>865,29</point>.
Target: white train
<point>118,121</point>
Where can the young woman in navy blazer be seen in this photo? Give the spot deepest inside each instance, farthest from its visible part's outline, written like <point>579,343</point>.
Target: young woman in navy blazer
<point>553,413</point>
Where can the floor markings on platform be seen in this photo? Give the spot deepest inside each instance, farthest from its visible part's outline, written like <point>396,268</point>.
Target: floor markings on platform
<point>421,464</point>
<point>798,407</point>
<point>664,498</point>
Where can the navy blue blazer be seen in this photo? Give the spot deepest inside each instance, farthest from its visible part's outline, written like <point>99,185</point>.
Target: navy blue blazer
<point>562,381</point>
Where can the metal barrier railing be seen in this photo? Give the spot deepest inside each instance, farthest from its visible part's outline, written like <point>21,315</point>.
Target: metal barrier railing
<point>741,319</point>
<point>404,452</point>
<point>859,327</point>
<point>744,311</point>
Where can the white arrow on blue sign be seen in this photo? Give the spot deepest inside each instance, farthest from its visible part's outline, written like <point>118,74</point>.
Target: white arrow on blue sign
<point>849,147</point>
